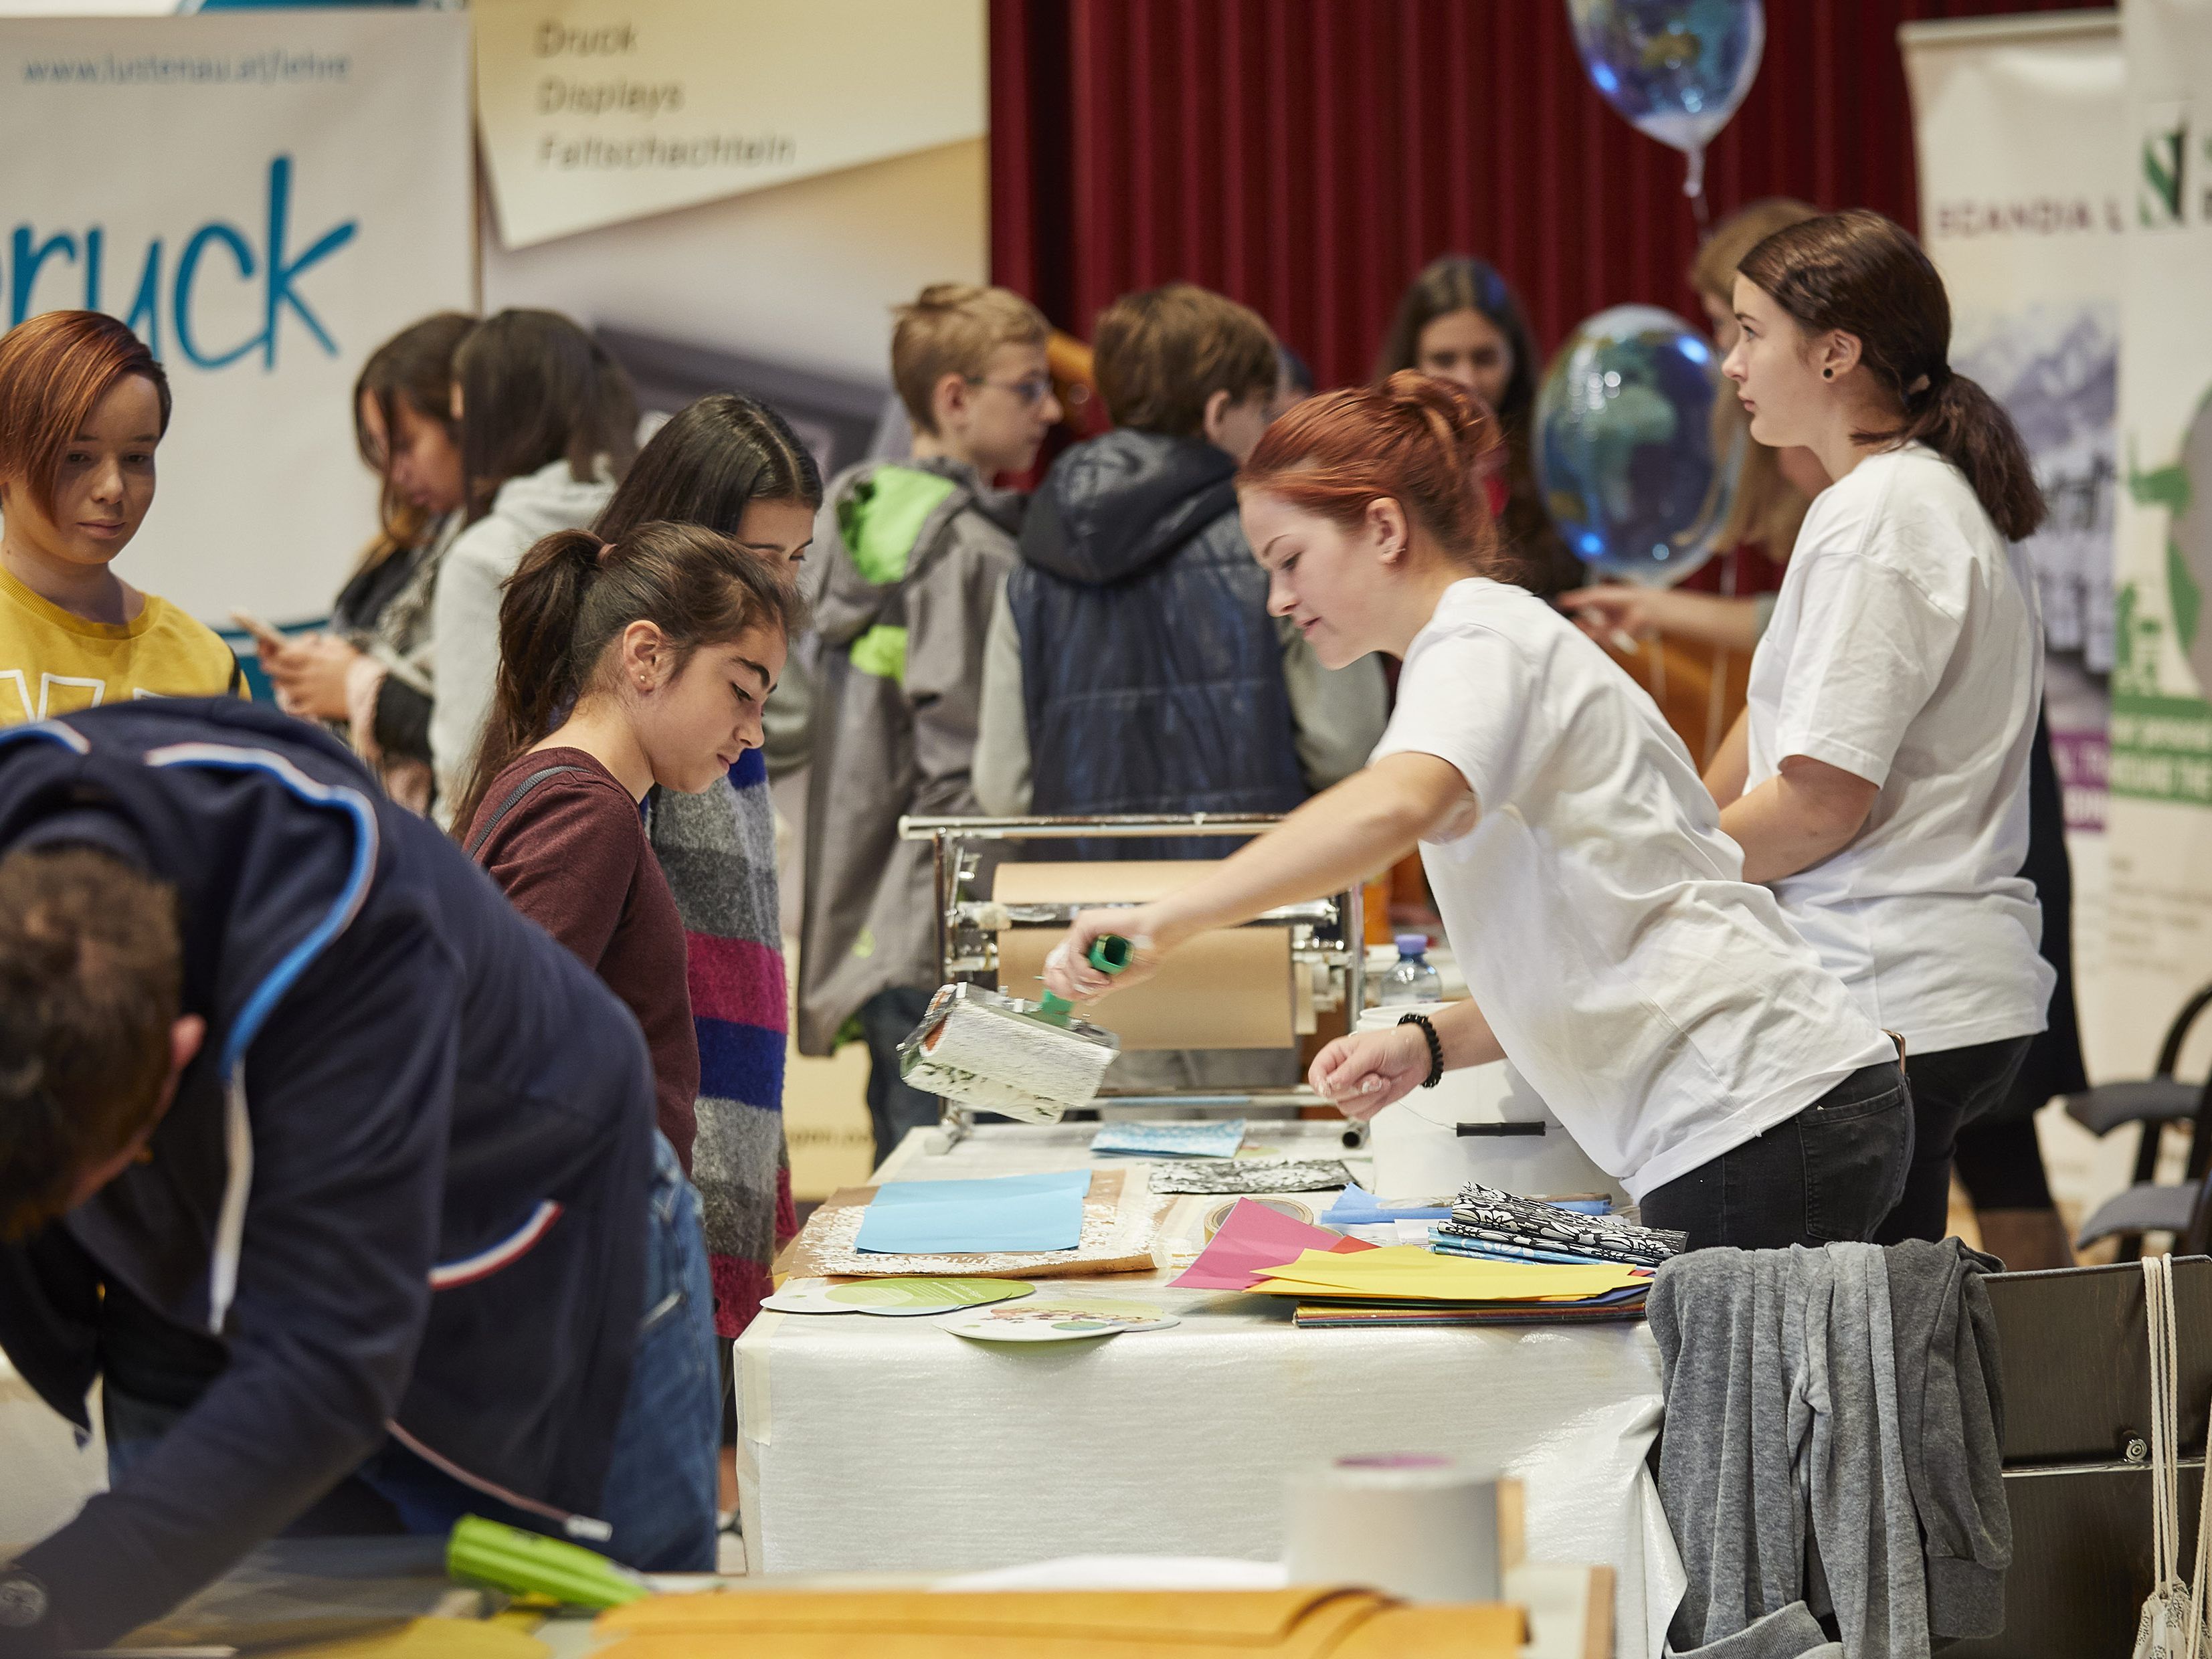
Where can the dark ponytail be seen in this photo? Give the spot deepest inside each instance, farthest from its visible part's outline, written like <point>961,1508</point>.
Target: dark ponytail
<point>574,595</point>
<point>1862,274</point>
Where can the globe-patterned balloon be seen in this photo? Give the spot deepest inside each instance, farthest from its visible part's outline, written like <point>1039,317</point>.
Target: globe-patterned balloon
<point>1677,69</point>
<point>1625,445</point>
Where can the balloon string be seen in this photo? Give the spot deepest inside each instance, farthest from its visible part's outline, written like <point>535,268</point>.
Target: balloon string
<point>1693,186</point>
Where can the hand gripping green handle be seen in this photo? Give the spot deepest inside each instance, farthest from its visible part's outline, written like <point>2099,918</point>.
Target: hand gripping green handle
<point>1109,954</point>
<point>483,1552</point>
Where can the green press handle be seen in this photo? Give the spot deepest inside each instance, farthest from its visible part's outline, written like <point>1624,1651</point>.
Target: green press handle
<point>482,1551</point>
<point>1109,954</point>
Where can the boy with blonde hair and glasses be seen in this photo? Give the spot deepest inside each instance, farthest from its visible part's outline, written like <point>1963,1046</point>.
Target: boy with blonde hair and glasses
<point>909,558</point>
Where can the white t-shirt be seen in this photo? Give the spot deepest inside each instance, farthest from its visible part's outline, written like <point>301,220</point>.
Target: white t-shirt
<point>1658,1002</point>
<point>1906,649</point>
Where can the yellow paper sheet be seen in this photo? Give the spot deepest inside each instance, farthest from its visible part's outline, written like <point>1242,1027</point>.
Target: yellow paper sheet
<point>1408,1271</point>
<point>434,1638</point>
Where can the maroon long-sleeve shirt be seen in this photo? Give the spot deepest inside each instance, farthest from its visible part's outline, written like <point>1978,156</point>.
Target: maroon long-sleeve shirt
<point>572,856</point>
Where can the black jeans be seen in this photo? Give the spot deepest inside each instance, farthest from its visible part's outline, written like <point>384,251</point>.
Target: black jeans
<point>1951,1088</point>
<point>1830,1173</point>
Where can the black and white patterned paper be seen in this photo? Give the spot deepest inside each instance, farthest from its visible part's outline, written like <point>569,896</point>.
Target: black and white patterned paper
<point>1247,1176</point>
<point>1486,1213</point>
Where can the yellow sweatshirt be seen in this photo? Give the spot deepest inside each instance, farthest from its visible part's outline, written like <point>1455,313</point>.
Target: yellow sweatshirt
<point>54,662</point>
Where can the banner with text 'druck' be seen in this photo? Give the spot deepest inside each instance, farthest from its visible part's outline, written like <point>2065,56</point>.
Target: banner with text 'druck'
<point>598,111</point>
<point>265,197</point>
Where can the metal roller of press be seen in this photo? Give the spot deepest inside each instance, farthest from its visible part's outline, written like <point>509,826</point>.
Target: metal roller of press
<point>1260,987</point>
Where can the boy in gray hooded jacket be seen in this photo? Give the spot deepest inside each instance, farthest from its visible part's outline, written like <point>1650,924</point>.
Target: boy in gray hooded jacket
<point>909,558</point>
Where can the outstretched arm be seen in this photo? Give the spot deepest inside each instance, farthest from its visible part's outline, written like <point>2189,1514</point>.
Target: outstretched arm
<point>1339,838</point>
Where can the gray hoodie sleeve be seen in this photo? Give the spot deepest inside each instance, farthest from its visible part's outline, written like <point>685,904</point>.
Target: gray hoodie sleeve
<point>1337,714</point>
<point>1952,1404</point>
<point>1002,733</point>
<point>465,636</point>
<point>949,617</point>
<point>787,722</point>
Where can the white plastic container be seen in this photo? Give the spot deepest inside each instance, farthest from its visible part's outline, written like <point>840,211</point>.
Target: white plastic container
<point>1421,1149</point>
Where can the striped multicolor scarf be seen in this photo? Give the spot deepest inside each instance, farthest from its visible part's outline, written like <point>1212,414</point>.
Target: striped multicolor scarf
<point>719,849</point>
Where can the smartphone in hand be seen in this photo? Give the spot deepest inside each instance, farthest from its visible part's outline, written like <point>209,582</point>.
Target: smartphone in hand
<point>263,633</point>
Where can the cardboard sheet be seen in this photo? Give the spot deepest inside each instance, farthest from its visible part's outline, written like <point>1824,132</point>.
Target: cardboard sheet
<point>1120,1221</point>
<point>1227,989</point>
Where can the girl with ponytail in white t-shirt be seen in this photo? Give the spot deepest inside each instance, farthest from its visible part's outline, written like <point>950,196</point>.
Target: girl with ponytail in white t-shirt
<point>1688,1040</point>
<point>1878,779</point>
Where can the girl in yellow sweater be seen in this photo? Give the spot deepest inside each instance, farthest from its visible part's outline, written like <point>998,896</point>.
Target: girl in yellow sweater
<point>82,407</point>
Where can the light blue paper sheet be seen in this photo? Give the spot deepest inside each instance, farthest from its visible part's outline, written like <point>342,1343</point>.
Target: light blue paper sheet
<point>1194,1138</point>
<point>960,1218</point>
<point>1357,1208</point>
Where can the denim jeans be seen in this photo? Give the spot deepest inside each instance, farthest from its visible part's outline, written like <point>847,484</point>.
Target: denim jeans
<point>663,1483</point>
<point>1831,1173</point>
<point>1951,1088</point>
<point>887,1019</point>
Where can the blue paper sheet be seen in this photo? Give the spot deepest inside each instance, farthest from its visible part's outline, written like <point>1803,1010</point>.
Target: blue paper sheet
<point>1357,1208</point>
<point>961,1218</point>
<point>1194,1139</point>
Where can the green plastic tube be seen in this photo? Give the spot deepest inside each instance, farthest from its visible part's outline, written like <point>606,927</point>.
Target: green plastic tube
<point>483,1552</point>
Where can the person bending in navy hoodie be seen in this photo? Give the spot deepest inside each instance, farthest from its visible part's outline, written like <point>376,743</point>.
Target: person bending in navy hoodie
<point>339,1175</point>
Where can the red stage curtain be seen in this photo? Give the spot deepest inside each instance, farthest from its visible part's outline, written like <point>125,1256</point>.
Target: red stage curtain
<point>1309,156</point>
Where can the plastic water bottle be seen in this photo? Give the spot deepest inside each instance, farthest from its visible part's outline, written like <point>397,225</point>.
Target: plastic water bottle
<point>1411,979</point>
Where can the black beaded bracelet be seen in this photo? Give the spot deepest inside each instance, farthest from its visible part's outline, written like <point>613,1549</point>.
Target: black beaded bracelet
<point>1436,1047</point>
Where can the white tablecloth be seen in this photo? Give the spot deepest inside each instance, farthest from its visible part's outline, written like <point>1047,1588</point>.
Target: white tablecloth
<point>889,1445</point>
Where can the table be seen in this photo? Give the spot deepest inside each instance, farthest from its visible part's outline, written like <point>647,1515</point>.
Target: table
<point>1566,1608</point>
<point>887,1445</point>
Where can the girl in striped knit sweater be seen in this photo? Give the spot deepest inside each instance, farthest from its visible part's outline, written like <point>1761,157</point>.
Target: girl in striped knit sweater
<point>732,466</point>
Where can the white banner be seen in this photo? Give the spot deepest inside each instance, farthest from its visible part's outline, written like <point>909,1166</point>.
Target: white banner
<point>600,111</point>
<point>2161,774</point>
<point>265,197</point>
<point>2022,204</point>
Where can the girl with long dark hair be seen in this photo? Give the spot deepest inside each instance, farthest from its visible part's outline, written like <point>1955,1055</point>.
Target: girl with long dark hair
<point>1461,321</point>
<point>1878,781</point>
<point>626,665</point>
<point>370,670</point>
<point>547,424</point>
<point>1688,1040</point>
<point>732,466</point>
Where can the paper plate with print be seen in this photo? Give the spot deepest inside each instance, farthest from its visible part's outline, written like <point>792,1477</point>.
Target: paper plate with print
<point>904,1298</point>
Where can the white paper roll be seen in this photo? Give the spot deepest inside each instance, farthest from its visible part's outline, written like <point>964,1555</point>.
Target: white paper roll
<point>1421,1528</point>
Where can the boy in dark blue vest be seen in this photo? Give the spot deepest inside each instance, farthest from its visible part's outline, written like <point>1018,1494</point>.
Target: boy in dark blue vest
<point>1134,666</point>
<point>340,1175</point>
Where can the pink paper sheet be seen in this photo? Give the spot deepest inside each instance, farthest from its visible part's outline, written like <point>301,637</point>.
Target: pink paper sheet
<point>1253,1238</point>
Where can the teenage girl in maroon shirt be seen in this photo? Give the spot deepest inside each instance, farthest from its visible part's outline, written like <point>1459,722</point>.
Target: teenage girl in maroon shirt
<point>622,665</point>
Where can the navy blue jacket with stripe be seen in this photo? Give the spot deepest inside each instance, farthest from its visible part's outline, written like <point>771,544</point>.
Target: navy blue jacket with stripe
<point>405,1182</point>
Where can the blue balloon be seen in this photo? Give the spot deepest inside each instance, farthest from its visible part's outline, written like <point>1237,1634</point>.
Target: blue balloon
<point>1677,69</point>
<point>1636,471</point>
